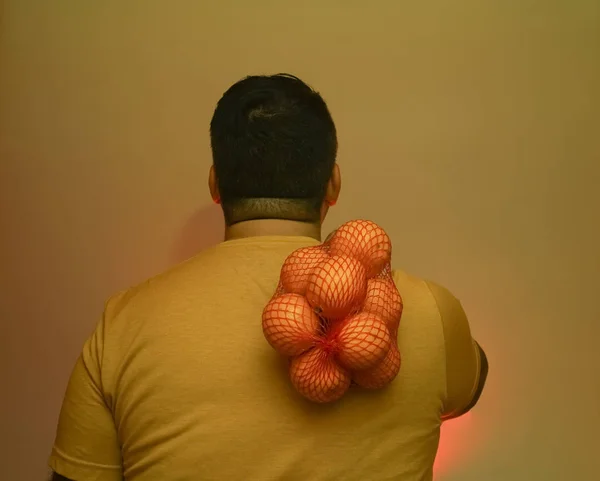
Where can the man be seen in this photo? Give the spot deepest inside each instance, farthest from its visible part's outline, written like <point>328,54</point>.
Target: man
<point>177,381</point>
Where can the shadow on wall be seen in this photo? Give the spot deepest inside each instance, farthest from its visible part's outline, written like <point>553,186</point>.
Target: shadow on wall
<point>205,228</point>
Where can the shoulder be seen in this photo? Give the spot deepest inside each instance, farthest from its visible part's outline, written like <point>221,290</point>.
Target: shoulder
<point>429,300</point>
<point>452,316</point>
<point>447,303</point>
<point>154,292</point>
<point>407,282</point>
<point>423,293</point>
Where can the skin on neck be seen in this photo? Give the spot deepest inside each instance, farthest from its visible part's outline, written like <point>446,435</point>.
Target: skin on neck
<point>280,227</point>
<point>272,227</point>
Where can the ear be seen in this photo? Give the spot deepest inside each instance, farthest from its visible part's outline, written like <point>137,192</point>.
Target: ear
<point>334,186</point>
<point>213,185</point>
<point>333,191</point>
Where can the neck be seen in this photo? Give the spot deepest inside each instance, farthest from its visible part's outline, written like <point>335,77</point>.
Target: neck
<point>262,227</point>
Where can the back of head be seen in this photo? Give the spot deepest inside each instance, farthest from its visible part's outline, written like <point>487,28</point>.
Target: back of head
<point>274,146</point>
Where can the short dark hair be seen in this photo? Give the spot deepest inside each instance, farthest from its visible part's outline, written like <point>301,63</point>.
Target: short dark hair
<point>274,146</point>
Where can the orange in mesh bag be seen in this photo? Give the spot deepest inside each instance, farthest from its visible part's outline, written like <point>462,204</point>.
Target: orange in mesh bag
<point>335,313</point>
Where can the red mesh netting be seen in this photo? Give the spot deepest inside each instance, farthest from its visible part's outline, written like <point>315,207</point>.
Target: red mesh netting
<point>336,313</point>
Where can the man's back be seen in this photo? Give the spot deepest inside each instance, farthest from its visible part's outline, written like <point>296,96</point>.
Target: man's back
<point>178,383</point>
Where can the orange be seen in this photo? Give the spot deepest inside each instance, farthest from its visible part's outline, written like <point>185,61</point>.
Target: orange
<point>298,268</point>
<point>317,377</point>
<point>290,325</point>
<point>337,287</point>
<point>383,373</point>
<point>363,342</point>
<point>384,300</point>
<point>364,240</point>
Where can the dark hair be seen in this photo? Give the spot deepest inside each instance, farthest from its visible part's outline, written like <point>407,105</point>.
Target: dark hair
<point>274,146</point>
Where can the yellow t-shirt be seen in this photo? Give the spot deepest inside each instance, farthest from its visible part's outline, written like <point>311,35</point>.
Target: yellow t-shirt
<point>177,383</point>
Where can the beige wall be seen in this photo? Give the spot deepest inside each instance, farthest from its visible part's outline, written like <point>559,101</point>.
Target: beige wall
<point>468,129</point>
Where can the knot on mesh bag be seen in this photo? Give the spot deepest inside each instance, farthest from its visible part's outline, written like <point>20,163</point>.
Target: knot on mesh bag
<point>335,313</point>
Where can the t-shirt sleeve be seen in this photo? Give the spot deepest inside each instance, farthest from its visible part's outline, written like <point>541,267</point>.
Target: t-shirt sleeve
<point>86,446</point>
<point>463,363</point>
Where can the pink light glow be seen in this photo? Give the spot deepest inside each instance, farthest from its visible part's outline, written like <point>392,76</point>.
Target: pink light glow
<point>457,443</point>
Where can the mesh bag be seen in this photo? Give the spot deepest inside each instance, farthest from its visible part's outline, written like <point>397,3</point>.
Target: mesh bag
<point>335,313</point>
